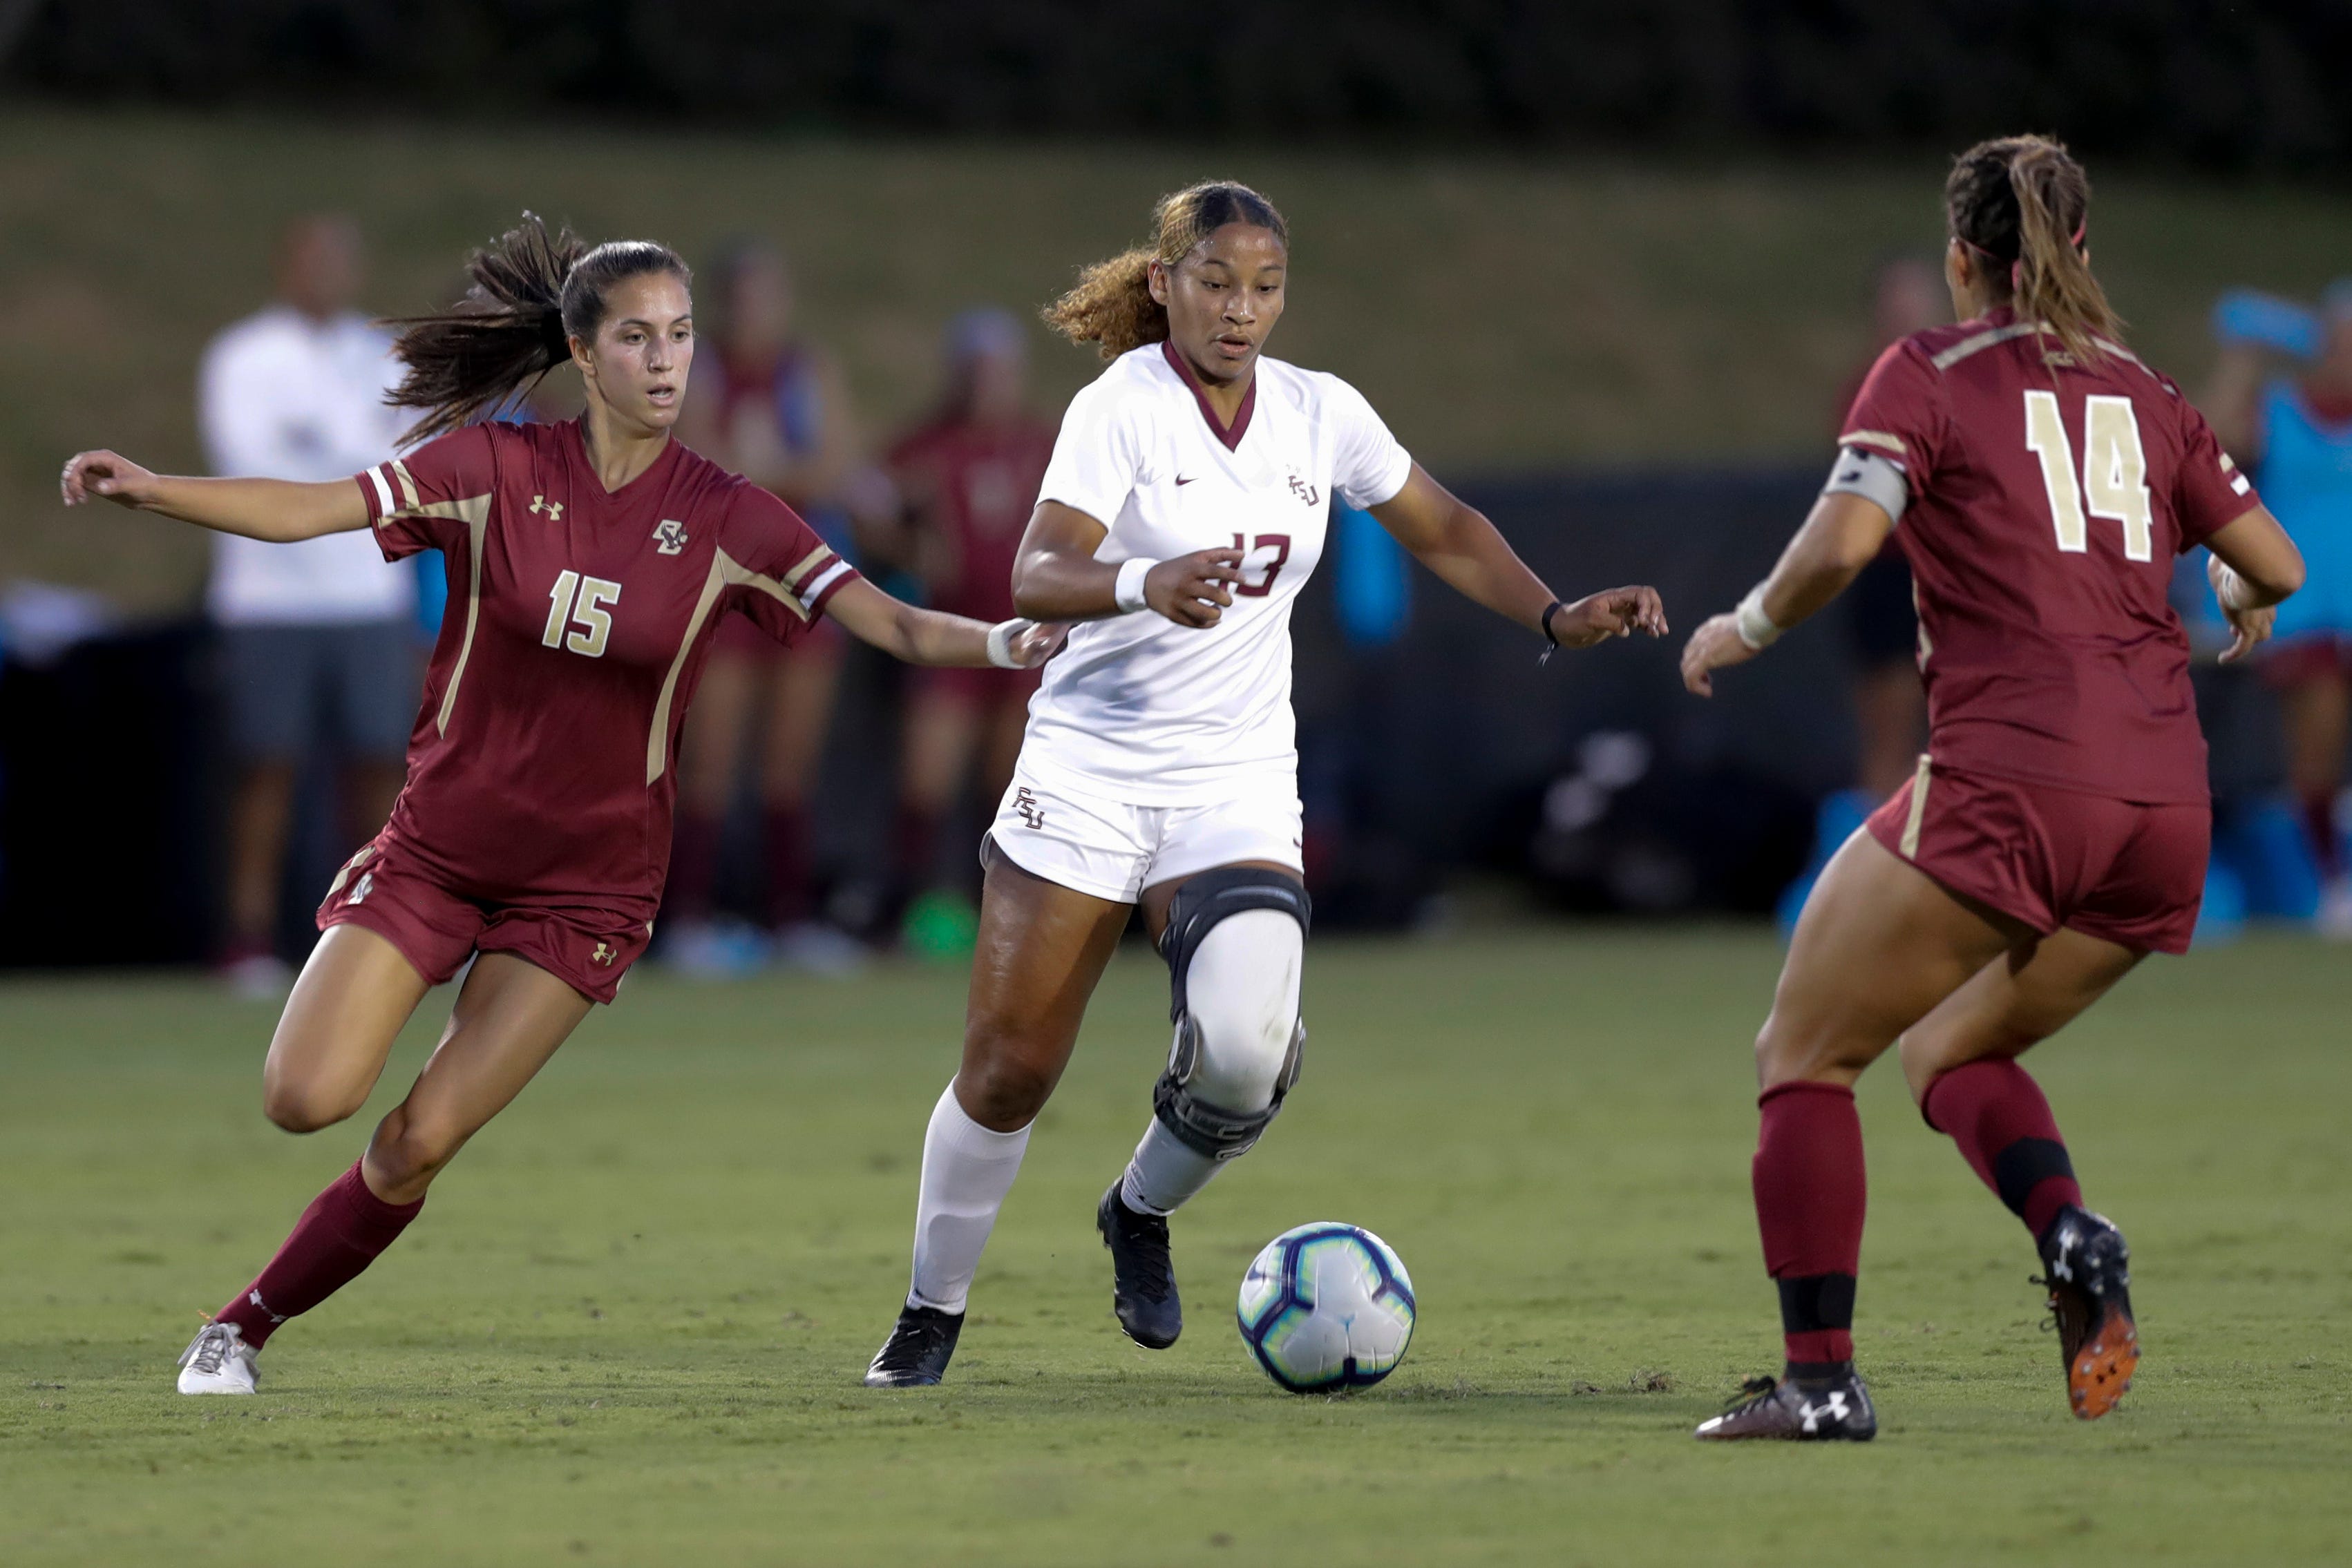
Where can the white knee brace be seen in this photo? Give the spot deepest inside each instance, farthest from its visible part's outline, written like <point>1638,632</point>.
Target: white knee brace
<point>1235,943</point>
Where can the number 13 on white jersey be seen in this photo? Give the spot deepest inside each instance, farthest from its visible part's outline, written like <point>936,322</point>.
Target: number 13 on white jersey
<point>2115,471</point>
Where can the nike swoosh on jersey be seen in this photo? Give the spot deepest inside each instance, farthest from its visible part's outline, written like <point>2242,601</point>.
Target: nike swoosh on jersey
<point>1186,478</point>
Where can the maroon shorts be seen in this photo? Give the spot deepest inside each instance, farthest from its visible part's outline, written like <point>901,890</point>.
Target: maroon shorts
<point>968,688</point>
<point>2127,874</point>
<point>436,930</point>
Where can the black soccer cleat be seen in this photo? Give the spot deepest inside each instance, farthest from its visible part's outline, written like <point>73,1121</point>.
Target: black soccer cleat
<point>1833,1409</point>
<point>1143,1284</point>
<point>2088,1275</point>
<point>917,1353</point>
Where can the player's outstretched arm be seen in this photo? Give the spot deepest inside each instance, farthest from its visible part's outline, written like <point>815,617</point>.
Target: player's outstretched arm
<point>933,637</point>
<point>2254,568</point>
<point>1457,543</point>
<point>1056,578</point>
<point>278,510</point>
<point>1842,535</point>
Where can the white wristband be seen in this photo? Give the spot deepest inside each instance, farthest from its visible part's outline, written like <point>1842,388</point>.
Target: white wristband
<point>1128,592</point>
<point>1000,642</point>
<point>1756,628</point>
<point>2231,590</point>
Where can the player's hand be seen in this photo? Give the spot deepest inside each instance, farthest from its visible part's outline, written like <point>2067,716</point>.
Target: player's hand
<point>2250,628</point>
<point>1192,590</point>
<point>1035,642</point>
<point>1715,645</point>
<point>1611,612</point>
<point>104,477</point>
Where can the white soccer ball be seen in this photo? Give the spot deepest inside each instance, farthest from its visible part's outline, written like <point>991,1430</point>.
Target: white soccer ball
<point>1326,1307</point>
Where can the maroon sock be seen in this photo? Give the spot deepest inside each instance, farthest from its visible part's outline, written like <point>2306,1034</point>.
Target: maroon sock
<point>788,865</point>
<point>1995,1112</point>
<point>693,865</point>
<point>343,1231</point>
<point>2319,827</point>
<point>1810,1196</point>
<point>917,842</point>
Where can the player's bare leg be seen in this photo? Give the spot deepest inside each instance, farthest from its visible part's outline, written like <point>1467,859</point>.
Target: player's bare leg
<point>1879,947</point>
<point>1042,949</point>
<point>509,1018</point>
<point>350,1003</point>
<point>1960,1062</point>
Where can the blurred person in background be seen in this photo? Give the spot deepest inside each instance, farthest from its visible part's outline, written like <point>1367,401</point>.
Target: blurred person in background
<point>1882,629</point>
<point>2295,433</point>
<point>781,417</point>
<point>1890,706</point>
<point>968,475</point>
<point>317,637</point>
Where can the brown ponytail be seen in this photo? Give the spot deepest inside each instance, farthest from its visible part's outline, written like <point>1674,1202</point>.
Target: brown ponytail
<point>1112,304</point>
<point>532,293</point>
<point>2021,205</point>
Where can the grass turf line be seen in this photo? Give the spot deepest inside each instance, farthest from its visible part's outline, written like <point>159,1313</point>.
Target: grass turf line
<point>629,1326</point>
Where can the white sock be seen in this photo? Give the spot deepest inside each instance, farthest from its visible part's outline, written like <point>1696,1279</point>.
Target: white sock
<point>1165,1171</point>
<point>967,1171</point>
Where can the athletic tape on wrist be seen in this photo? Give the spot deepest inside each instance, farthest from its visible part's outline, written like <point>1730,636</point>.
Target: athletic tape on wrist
<point>1128,591</point>
<point>1000,642</point>
<point>1756,628</point>
<point>2232,589</point>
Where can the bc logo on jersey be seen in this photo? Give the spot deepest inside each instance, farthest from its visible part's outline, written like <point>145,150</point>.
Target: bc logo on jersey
<point>669,537</point>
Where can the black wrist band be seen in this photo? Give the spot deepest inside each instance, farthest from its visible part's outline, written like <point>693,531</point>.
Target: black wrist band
<point>1551,643</point>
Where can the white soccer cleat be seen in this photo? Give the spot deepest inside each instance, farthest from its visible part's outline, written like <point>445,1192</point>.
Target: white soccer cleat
<point>218,1361</point>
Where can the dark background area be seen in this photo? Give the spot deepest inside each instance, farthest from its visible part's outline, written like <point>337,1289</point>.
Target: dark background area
<point>2197,83</point>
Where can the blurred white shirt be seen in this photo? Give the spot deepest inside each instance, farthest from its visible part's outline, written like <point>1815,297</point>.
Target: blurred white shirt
<point>283,397</point>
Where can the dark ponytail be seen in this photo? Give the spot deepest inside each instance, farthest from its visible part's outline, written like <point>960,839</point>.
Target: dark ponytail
<point>2022,206</point>
<point>532,293</point>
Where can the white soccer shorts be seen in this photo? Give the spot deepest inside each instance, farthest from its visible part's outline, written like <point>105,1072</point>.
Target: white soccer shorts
<point>1113,851</point>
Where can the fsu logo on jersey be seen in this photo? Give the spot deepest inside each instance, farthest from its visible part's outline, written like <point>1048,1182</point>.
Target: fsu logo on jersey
<point>669,537</point>
<point>1303,490</point>
<point>1033,810</point>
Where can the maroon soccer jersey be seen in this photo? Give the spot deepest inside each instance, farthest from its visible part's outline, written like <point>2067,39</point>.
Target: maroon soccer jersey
<point>2048,498</point>
<point>979,484</point>
<point>541,770</point>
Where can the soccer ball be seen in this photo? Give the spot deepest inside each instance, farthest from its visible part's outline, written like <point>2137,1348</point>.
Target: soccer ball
<point>1326,1307</point>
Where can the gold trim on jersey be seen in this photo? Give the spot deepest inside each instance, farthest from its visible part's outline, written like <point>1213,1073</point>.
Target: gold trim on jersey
<point>1910,845</point>
<point>474,511</point>
<point>726,573</point>
<point>1885,441</point>
<point>1977,342</point>
<point>408,497</point>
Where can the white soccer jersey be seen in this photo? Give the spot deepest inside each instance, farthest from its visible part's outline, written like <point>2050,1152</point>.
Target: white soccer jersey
<point>1137,708</point>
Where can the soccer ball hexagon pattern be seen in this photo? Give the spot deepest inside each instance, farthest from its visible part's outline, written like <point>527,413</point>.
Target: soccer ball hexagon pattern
<point>1326,1307</point>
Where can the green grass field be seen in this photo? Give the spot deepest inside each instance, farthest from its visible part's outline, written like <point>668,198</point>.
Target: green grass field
<point>630,1326</point>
